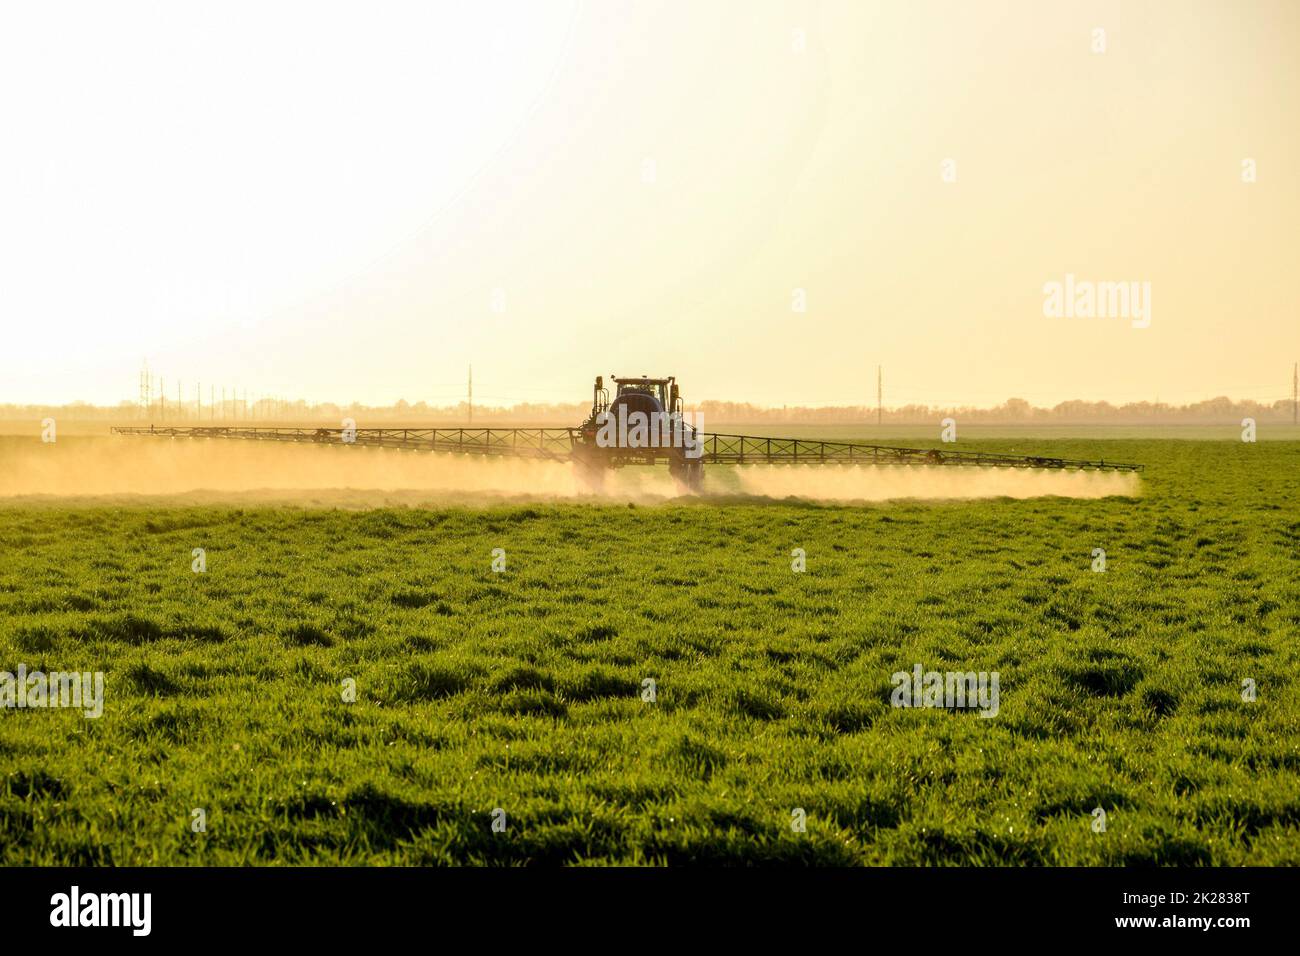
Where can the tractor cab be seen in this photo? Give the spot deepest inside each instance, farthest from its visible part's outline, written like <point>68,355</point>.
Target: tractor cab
<point>662,390</point>
<point>644,394</point>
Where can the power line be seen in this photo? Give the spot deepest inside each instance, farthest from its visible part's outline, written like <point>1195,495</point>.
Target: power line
<point>880,392</point>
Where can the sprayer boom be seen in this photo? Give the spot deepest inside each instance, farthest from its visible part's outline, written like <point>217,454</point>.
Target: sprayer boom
<point>579,445</point>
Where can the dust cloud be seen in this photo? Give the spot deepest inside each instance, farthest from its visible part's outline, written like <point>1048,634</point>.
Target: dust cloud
<point>218,470</point>
<point>884,483</point>
<point>213,470</point>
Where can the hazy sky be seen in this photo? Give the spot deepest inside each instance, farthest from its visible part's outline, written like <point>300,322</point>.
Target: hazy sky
<point>355,201</point>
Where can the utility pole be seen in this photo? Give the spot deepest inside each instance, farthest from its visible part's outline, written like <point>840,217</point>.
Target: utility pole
<point>880,379</point>
<point>162,398</point>
<point>471,394</point>
<point>212,403</point>
<point>1295,394</point>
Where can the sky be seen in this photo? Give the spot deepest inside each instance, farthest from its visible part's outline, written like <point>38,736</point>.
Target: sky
<point>355,202</point>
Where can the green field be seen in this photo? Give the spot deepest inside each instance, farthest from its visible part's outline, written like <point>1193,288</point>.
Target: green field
<point>522,690</point>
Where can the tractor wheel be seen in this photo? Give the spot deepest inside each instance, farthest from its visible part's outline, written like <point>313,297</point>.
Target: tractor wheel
<point>695,476</point>
<point>688,473</point>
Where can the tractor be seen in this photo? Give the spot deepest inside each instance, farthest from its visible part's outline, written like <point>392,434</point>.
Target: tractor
<point>643,424</point>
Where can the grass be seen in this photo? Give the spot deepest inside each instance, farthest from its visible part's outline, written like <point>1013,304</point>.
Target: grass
<point>522,690</point>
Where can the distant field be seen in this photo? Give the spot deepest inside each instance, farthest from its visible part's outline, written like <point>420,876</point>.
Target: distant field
<point>522,690</point>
